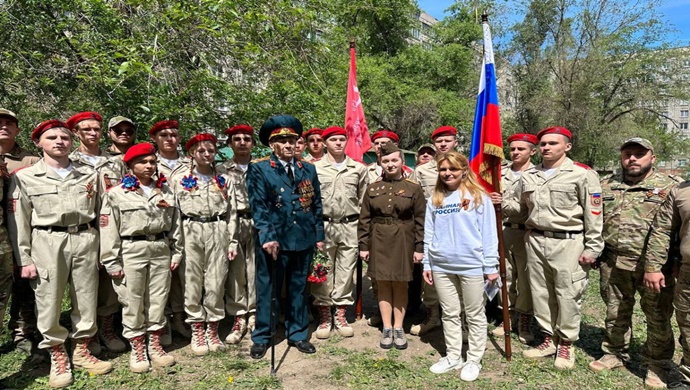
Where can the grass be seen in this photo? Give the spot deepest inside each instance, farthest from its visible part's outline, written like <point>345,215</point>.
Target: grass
<point>356,363</point>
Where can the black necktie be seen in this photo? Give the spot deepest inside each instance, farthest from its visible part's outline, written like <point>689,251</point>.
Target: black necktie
<point>290,174</point>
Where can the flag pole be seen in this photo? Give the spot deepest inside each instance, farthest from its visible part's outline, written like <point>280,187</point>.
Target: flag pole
<point>358,281</point>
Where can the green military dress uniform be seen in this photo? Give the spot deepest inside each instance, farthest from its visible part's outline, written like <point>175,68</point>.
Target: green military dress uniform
<point>629,211</point>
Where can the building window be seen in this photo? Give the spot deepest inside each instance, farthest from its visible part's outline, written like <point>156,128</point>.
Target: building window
<point>683,113</point>
<point>682,162</point>
<point>415,33</point>
<point>684,126</point>
<point>662,164</point>
<point>686,63</point>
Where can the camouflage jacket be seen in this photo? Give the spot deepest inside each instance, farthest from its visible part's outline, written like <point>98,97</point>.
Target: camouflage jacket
<point>629,211</point>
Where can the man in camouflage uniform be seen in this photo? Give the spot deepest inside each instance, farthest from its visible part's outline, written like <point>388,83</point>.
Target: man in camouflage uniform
<point>122,133</point>
<point>631,200</point>
<point>22,309</point>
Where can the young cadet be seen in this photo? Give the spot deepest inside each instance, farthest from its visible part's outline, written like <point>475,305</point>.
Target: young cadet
<point>141,242</point>
<point>343,184</point>
<point>166,136</point>
<point>54,204</point>
<point>240,288</point>
<point>314,140</point>
<point>209,221</point>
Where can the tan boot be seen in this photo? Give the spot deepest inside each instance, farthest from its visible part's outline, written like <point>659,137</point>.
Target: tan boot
<point>179,326</point>
<point>239,329</point>
<point>107,336</point>
<point>251,322</point>
<point>547,348</point>
<point>166,335</point>
<point>138,360</point>
<point>323,331</point>
<point>656,377</point>
<point>432,321</point>
<point>198,344</point>
<point>525,329</point>
<point>82,358</point>
<point>498,331</point>
<point>212,340</point>
<point>565,356</point>
<point>341,325</point>
<point>158,356</point>
<point>60,372</point>
<point>607,362</point>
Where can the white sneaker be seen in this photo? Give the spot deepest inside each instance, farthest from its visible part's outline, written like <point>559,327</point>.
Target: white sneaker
<point>470,371</point>
<point>446,364</point>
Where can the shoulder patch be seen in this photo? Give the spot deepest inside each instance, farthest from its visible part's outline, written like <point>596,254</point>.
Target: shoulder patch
<point>581,165</point>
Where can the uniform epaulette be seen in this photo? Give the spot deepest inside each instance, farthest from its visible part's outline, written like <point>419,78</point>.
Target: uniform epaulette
<point>18,169</point>
<point>607,177</point>
<point>676,178</point>
<point>411,181</point>
<point>581,165</point>
<point>260,159</point>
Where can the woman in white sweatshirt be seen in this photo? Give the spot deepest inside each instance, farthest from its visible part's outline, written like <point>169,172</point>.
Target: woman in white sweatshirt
<point>460,253</point>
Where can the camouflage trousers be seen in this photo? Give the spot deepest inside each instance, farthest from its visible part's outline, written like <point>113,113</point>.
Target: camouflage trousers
<point>681,303</point>
<point>618,288</point>
<point>5,284</point>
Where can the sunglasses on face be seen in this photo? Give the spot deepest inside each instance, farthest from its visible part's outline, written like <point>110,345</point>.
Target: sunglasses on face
<point>123,131</point>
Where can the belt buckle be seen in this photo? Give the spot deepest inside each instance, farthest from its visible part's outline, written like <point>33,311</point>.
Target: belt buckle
<point>150,237</point>
<point>548,234</point>
<point>73,229</point>
<point>203,219</point>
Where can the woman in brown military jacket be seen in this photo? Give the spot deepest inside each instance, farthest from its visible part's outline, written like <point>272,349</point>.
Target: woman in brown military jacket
<point>391,238</point>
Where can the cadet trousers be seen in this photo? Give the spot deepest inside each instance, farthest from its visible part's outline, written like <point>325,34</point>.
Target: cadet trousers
<point>143,292</point>
<point>240,289</point>
<point>176,295</point>
<point>5,283</point>
<point>558,283</point>
<point>457,293</point>
<point>108,303</point>
<point>205,268</point>
<point>517,279</point>
<point>62,258</point>
<point>618,288</point>
<point>342,249</point>
<point>23,307</point>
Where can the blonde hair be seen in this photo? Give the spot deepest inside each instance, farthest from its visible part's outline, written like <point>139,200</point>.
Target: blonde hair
<point>468,184</point>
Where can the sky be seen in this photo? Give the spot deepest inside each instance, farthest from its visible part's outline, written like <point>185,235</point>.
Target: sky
<point>674,12</point>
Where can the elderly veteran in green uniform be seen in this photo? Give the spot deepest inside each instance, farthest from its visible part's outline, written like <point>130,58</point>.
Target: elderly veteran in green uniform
<point>141,242</point>
<point>285,199</point>
<point>391,239</point>
<point>122,135</point>
<point>55,204</point>
<point>343,184</point>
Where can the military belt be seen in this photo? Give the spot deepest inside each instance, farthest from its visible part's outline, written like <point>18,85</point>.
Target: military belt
<point>204,219</point>
<point>144,237</point>
<point>244,214</point>
<point>387,220</point>
<point>71,229</point>
<point>519,226</point>
<point>552,234</point>
<point>349,218</point>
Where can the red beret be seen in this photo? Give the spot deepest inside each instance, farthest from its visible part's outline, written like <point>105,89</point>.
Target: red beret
<point>162,125</point>
<point>444,130</point>
<point>333,130</point>
<point>138,150</point>
<point>555,130</point>
<point>531,138</point>
<point>45,126</point>
<point>239,129</point>
<point>313,131</point>
<point>82,116</point>
<point>385,133</point>
<point>200,138</point>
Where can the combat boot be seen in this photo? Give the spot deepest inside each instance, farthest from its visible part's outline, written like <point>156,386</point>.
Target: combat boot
<point>82,358</point>
<point>239,329</point>
<point>432,321</point>
<point>158,356</point>
<point>107,336</point>
<point>198,344</point>
<point>498,331</point>
<point>565,356</point>
<point>138,360</point>
<point>179,326</point>
<point>60,372</point>
<point>606,362</point>
<point>546,348</point>
<point>323,331</point>
<point>166,335</point>
<point>341,325</point>
<point>656,377</point>
<point>95,346</point>
<point>212,340</point>
<point>251,322</point>
<point>525,329</point>
<point>375,320</point>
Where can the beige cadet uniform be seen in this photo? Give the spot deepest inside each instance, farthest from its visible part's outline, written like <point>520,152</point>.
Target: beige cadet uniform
<point>51,227</point>
<point>564,221</point>
<point>167,170</point>
<point>140,235</point>
<point>209,222</point>
<point>342,192</point>
<point>240,287</point>
<point>519,294</point>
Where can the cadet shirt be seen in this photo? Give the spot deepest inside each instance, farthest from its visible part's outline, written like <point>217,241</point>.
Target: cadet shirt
<point>341,190</point>
<point>238,179</point>
<point>110,169</point>
<point>629,211</point>
<point>426,175</point>
<point>40,197</point>
<point>163,167</point>
<point>673,216</point>
<point>569,200</point>
<point>509,184</point>
<point>128,213</point>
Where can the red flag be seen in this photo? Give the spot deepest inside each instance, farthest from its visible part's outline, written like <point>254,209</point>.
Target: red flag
<point>358,139</point>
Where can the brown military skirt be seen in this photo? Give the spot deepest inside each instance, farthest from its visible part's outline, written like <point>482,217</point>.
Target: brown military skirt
<point>391,250</point>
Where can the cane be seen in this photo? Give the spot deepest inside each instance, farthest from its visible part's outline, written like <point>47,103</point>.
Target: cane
<point>274,298</point>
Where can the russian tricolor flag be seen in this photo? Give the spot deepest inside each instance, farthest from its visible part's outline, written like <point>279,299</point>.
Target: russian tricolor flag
<point>486,149</point>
